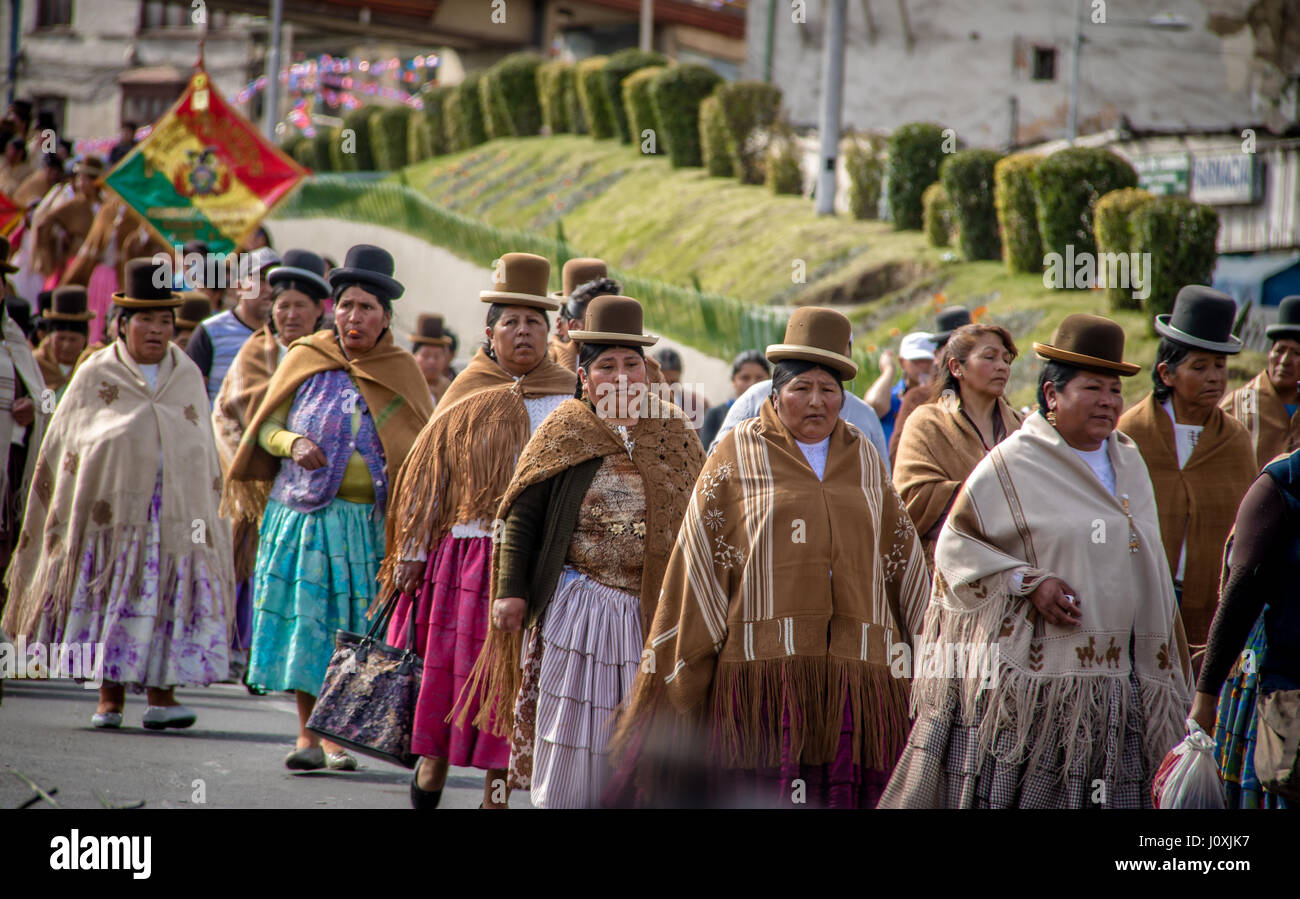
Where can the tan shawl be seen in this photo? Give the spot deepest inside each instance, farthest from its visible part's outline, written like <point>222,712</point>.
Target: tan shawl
<point>667,454</point>
<point>937,452</point>
<point>1033,503</point>
<point>1257,406</point>
<point>563,352</point>
<point>387,376</point>
<point>462,461</point>
<point>94,483</point>
<point>240,396</point>
<point>782,595</point>
<point>1198,502</point>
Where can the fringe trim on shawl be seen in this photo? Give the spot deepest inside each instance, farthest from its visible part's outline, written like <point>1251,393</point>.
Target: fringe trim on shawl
<point>492,685</point>
<point>456,471</point>
<point>47,591</point>
<point>245,500</point>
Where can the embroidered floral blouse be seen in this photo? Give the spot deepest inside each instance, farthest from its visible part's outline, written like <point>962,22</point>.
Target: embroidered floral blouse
<point>608,543</point>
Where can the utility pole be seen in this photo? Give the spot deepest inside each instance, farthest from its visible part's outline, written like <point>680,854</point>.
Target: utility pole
<point>1073,129</point>
<point>832,100</point>
<point>271,108</point>
<point>647,25</point>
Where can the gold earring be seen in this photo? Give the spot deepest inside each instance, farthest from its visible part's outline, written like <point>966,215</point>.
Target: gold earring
<point>1051,417</point>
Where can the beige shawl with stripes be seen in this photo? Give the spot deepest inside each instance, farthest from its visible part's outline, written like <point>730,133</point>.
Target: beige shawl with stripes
<point>785,597</point>
<point>1257,406</point>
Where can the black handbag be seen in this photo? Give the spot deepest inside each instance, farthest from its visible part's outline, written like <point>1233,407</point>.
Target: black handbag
<point>367,701</point>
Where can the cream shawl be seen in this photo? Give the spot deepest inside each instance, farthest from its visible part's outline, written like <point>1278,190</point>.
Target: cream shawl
<point>95,479</point>
<point>1257,406</point>
<point>1033,503</point>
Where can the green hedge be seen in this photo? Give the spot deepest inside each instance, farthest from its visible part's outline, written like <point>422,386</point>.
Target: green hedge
<point>1013,179</point>
<point>554,85</point>
<point>464,111</point>
<point>513,84</point>
<point>713,139</point>
<point>1180,238</point>
<point>640,109</point>
<point>496,117</point>
<point>936,215</point>
<point>866,172</point>
<point>362,158</point>
<point>617,69</point>
<point>388,127</point>
<point>1112,220</point>
<point>593,94</point>
<point>427,131</point>
<point>677,93</point>
<point>322,159</point>
<point>784,174</point>
<point>290,144</point>
<point>337,160</point>
<point>967,177</point>
<point>1067,186</point>
<point>301,151</point>
<point>915,151</point>
<point>748,109</point>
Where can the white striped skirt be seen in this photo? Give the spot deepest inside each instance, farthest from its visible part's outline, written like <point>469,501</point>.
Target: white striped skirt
<point>591,650</point>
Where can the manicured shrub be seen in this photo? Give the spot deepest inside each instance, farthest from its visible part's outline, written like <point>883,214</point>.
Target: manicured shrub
<point>593,93</point>
<point>677,93</point>
<point>619,66</point>
<point>554,82</point>
<point>640,110</point>
<point>426,133</point>
<point>338,159</point>
<point>713,139</point>
<point>1180,237</point>
<point>784,170</point>
<point>866,170</point>
<point>361,158</point>
<point>388,127</point>
<point>749,108</point>
<point>513,85</point>
<point>496,118</point>
<point>1013,192</point>
<point>1067,185</point>
<point>290,144</point>
<point>915,151</point>
<point>1112,219</point>
<point>464,111</point>
<point>322,159</point>
<point>967,177</point>
<point>301,151</point>
<point>936,215</point>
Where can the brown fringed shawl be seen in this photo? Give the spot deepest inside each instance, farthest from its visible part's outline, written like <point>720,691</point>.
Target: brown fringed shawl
<point>783,596</point>
<point>563,353</point>
<point>462,461</point>
<point>95,479</point>
<point>938,450</point>
<point>667,454</point>
<point>387,376</point>
<point>1257,406</point>
<point>1033,503</point>
<point>1199,501</point>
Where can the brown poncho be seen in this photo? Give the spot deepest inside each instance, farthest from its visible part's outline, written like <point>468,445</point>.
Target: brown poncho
<point>783,597</point>
<point>462,461</point>
<point>1257,406</point>
<point>1198,502</point>
<point>937,452</point>
<point>667,454</point>
<point>388,378</point>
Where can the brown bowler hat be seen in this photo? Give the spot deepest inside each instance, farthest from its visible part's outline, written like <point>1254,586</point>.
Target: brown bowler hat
<point>68,304</point>
<point>814,334</point>
<point>147,286</point>
<point>520,279</point>
<point>615,321</point>
<point>428,332</point>
<point>1090,342</point>
<point>578,272</point>
<point>195,307</point>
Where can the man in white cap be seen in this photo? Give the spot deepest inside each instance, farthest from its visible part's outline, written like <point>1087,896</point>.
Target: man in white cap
<point>885,396</point>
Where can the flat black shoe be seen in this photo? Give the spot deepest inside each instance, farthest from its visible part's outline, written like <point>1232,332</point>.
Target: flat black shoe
<point>423,798</point>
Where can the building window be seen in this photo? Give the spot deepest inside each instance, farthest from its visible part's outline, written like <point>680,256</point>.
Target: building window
<point>145,103</point>
<point>53,13</point>
<point>1044,64</point>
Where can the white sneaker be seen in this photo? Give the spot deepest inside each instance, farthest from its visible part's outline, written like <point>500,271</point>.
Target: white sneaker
<point>156,717</point>
<point>106,720</point>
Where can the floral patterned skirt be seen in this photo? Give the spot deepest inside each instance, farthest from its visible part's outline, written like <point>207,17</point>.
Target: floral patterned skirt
<point>153,634</point>
<point>315,576</point>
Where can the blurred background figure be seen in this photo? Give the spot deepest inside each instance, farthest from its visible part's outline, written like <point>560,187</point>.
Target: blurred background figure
<point>432,351</point>
<point>748,368</point>
<point>68,321</point>
<point>689,401</point>
<point>125,141</point>
<point>195,307</point>
<point>14,167</point>
<point>1269,403</point>
<point>63,226</point>
<point>916,359</point>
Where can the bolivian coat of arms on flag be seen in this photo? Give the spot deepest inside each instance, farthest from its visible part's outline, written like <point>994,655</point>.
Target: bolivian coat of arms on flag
<point>204,172</point>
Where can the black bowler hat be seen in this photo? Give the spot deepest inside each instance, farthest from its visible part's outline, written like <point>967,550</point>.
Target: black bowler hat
<point>949,320</point>
<point>370,266</point>
<point>301,270</point>
<point>428,332</point>
<point>147,286</point>
<point>1202,319</point>
<point>68,304</point>
<point>1288,320</point>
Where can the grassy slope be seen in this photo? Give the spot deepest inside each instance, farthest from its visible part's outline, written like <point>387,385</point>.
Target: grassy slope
<point>675,224</point>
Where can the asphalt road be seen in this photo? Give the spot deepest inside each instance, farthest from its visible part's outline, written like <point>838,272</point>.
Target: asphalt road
<point>232,757</point>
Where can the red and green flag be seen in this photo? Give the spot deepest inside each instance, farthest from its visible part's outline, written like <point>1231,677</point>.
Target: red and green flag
<point>204,172</point>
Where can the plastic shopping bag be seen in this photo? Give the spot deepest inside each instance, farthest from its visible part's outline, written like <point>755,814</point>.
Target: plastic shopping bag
<point>1189,777</point>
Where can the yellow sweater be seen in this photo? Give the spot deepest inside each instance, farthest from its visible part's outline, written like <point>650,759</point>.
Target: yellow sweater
<point>276,439</point>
